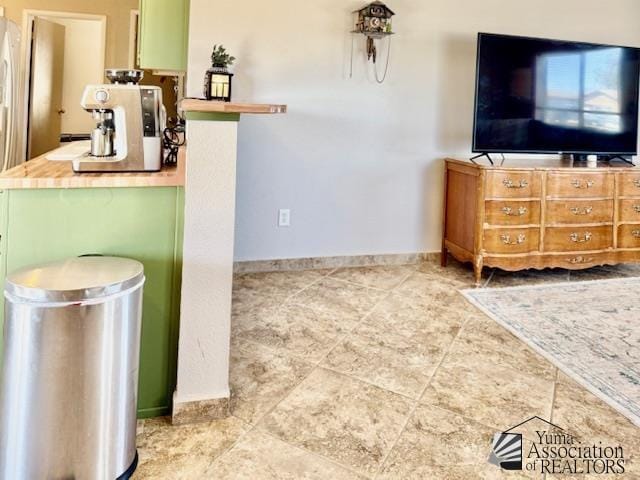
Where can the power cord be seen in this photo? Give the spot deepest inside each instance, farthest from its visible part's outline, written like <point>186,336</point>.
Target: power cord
<point>172,139</point>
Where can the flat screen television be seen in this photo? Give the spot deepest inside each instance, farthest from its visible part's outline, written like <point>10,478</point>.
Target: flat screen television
<point>552,96</point>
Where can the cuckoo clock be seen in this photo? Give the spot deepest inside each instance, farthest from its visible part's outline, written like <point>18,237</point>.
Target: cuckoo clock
<point>374,21</point>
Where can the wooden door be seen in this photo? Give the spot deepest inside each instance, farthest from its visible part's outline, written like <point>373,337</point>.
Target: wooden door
<point>45,88</point>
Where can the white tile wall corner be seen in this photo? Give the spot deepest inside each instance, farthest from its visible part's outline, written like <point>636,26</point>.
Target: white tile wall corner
<point>207,269</point>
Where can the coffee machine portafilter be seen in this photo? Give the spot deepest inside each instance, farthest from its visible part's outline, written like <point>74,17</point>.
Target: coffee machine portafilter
<point>102,135</point>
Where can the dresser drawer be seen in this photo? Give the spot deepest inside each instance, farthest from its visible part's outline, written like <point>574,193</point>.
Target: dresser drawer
<point>572,261</point>
<point>512,184</point>
<point>511,212</point>
<point>629,236</point>
<point>630,210</point>
<point>511,240</point>
<point>629,184</point>
<point>574,239</point>
<point>579,211</point>
<point>571,185</point>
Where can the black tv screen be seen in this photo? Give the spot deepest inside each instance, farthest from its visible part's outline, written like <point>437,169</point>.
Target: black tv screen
<point>551,96</point>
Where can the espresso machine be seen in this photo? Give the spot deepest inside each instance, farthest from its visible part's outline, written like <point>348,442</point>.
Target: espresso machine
<point>130,122</point>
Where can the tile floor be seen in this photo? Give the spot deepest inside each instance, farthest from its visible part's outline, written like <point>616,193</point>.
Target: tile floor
<point>376,372</point>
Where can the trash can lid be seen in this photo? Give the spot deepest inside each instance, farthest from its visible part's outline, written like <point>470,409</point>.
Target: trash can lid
<point>75,279</point>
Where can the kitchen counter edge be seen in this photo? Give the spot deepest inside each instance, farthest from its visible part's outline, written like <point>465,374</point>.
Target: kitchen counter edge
<point>42,173</point>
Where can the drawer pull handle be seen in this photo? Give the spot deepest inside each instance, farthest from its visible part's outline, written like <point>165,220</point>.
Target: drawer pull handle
<point>509,183</point>
<point>581,211</point>
<point>636,208</point>
<point>508,211</point>
<point>574,237</point>
<point>636,233</point>
<point>636,182</point>
<point>578,260</point>
<point>506,239</point>
<point>579,184</point>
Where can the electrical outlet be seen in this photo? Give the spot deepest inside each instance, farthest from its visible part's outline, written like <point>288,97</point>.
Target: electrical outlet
<point>284,217</point>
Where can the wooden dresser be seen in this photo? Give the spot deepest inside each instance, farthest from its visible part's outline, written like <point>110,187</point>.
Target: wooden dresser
<point>538,214</point>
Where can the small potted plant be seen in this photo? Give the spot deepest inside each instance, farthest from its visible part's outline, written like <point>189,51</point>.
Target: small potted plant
<point>217,80</point>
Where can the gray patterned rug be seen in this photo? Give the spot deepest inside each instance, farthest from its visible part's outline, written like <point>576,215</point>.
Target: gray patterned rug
<point>589,330</point>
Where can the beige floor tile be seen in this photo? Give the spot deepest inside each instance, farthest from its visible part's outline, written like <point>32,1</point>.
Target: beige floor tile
<point>407,314</point>
<point>256,292</point>
<point>340,418</point>
<point>344,300</point>
<point>589,418</point>
<point>441,445</point>
<point>593,422</point>
<point>276,281</point>
<point>385,367</point>
<point>488,393</point>
<point>385,277</point>
<point>259,456</point>
<point>397,347</point>
<point>484,341</point>
<point>245,308</point>
<point>183,452</point>
<point>566,379</point>
<point>502,278</point>
<point>454,312</point>
<point>439,291</point>
<point>455,272</point>
<point>296,329</point>
<point>592,476</point>
<point>260,378</point>
<point>340,424</point>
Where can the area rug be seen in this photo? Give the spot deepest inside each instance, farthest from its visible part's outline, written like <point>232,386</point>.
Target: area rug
<point>589,330</point>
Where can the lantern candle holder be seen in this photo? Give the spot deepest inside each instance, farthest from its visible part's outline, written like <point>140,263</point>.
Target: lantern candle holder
<point>217,84</point>
<point>217,79</point>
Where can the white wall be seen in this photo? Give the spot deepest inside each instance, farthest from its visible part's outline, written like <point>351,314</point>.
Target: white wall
<point>359,164</point>
<point>83,64</point>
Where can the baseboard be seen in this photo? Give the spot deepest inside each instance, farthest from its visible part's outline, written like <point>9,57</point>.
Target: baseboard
<point>199,411</point>
<point>154,412</point>
<point>314,263</point>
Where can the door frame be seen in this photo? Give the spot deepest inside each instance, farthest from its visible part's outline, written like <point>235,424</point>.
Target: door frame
<point>28,17</point>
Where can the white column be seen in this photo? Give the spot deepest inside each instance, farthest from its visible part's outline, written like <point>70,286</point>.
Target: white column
<point>207,271</point>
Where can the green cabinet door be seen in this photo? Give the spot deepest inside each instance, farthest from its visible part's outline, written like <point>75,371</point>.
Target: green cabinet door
<point>163,34</point>
<point>140,223</point>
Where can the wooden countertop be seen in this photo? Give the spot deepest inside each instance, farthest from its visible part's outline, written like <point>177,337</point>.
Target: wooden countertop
<point>43,173</point>
<point>211,106</point>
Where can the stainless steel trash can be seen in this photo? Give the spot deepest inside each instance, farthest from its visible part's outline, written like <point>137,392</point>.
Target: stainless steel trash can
<point>70,370</point>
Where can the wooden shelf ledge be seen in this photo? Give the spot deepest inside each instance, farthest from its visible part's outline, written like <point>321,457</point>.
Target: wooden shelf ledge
<point>211,106</point>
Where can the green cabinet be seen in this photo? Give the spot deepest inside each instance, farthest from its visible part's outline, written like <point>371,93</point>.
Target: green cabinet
<point>42,225</point>
<point>163,34</point>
